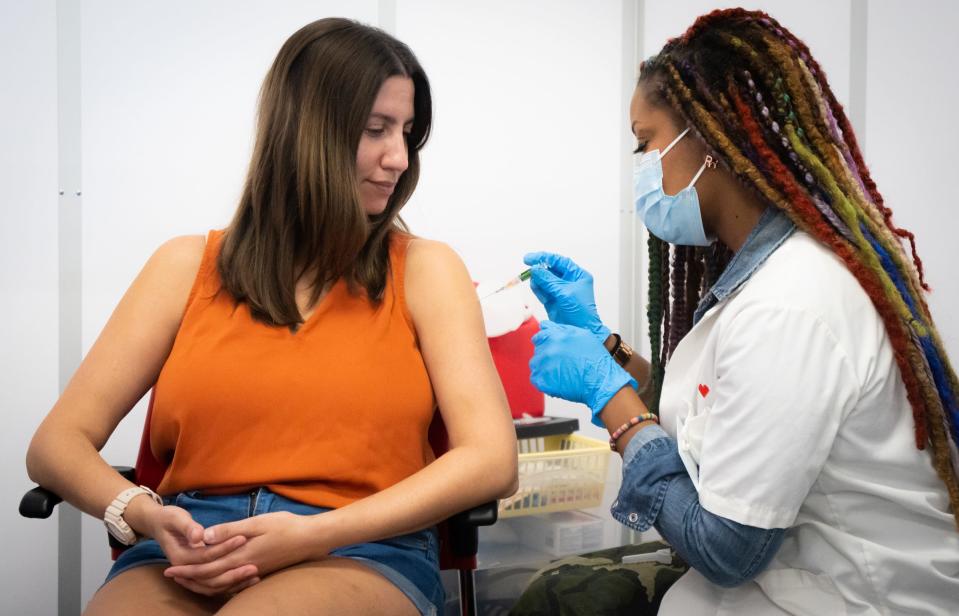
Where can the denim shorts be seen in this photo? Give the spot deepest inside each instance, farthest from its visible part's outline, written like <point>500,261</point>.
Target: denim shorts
<point>410,562</point>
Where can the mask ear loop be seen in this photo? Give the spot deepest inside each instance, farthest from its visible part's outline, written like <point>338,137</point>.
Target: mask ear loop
<point>675,141</point>
<point>708,163</point>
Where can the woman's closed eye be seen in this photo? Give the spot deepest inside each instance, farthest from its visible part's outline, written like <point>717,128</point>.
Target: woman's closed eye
<point>380,131</point>
<point>640,147</point>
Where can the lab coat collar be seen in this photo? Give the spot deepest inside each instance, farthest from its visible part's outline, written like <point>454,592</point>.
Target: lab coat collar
<point>769,233</point>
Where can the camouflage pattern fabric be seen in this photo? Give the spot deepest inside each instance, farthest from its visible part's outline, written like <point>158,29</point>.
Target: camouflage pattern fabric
<point>599,584</point>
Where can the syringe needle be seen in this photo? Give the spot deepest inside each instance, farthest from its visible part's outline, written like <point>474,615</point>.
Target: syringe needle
<point>525,275</point>
<point>492,293</point>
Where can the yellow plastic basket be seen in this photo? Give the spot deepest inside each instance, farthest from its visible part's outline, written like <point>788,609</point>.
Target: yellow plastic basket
<point>558,473</point>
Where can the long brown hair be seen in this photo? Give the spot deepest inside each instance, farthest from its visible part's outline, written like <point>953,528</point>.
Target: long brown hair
<point>300,210</point>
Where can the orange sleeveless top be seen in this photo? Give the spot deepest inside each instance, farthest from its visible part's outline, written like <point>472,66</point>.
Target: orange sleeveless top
<point>327,415</point>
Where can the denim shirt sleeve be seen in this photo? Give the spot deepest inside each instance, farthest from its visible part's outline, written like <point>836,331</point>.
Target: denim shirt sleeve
<point>656,491</point>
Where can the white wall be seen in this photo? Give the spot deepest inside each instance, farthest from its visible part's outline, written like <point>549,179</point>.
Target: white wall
<point>911,136</point>
<point>28,278</point>
<point>526,155</point>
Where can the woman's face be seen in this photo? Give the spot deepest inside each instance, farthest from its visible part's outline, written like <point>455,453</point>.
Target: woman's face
<point>381,157</point>
<point>655,127</point>
<point>729,209</point>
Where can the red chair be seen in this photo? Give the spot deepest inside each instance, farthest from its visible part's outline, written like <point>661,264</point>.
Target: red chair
<point>458,534</point>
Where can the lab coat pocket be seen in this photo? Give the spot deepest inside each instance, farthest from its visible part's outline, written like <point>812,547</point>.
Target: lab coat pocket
<point>802,593</point>
<point>689,436</point>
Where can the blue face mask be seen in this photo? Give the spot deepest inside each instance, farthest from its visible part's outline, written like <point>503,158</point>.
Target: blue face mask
<point>672,218</point>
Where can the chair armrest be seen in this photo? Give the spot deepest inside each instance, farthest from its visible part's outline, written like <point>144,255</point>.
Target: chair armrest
<point>39,502</point>
<point>481,515</point>
<point>462,528</point>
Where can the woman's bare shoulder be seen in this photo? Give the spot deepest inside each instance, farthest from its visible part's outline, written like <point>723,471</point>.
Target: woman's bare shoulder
<point>430,262</point>
<point>170,272</point>
<point>179,257</point>
<point>427,252</point>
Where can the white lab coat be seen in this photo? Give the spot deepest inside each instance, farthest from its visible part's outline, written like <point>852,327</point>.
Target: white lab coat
<point>790,412</point>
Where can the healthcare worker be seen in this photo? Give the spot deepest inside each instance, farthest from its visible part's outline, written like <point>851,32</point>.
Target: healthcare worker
<point>805,459</point>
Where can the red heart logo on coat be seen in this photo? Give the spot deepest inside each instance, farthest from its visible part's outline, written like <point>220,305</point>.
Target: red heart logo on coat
<point>703,390</point>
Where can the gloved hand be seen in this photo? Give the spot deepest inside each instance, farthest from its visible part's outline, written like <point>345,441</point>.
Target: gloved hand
<point>570,363</point>
<point>566,290</point>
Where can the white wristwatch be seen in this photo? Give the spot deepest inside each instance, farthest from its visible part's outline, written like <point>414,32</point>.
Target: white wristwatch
<point>113,517</point>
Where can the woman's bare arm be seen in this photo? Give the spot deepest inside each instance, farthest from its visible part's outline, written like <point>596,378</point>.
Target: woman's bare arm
<point>481,463</point>
<point>120,368</point>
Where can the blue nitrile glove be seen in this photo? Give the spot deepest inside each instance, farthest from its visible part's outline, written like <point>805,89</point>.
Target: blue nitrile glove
<point>566,291</point>
<point>570,363</point>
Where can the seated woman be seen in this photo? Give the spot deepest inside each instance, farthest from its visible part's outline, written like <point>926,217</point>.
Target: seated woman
<point>297,357</point>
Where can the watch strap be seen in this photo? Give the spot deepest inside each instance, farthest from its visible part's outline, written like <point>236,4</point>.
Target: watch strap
<point>621,351</point>
<point>113,516</point>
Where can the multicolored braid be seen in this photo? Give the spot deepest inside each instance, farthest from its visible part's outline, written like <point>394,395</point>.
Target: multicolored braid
<point>753,93</point>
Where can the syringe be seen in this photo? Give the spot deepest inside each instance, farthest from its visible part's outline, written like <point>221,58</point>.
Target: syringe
<point>525,275</point>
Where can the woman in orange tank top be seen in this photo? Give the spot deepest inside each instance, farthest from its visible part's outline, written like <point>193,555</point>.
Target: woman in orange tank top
<point>297,357</point>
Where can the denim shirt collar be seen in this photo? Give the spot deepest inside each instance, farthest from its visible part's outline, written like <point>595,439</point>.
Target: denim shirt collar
<point>769,233</point>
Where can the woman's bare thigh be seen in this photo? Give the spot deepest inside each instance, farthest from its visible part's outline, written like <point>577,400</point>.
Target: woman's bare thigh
<point>144,590</point>
<point>330,586</point>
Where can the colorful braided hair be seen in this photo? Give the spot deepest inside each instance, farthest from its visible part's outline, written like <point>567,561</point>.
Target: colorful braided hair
<point>760,102</point>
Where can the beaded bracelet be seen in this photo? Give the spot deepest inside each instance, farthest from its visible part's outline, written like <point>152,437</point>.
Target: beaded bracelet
<point>629,424</point>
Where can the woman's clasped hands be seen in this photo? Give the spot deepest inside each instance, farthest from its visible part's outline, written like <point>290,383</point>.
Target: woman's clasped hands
<point>227,558</point>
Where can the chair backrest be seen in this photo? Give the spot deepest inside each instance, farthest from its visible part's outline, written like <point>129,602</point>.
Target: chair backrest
<point>149,470</point>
